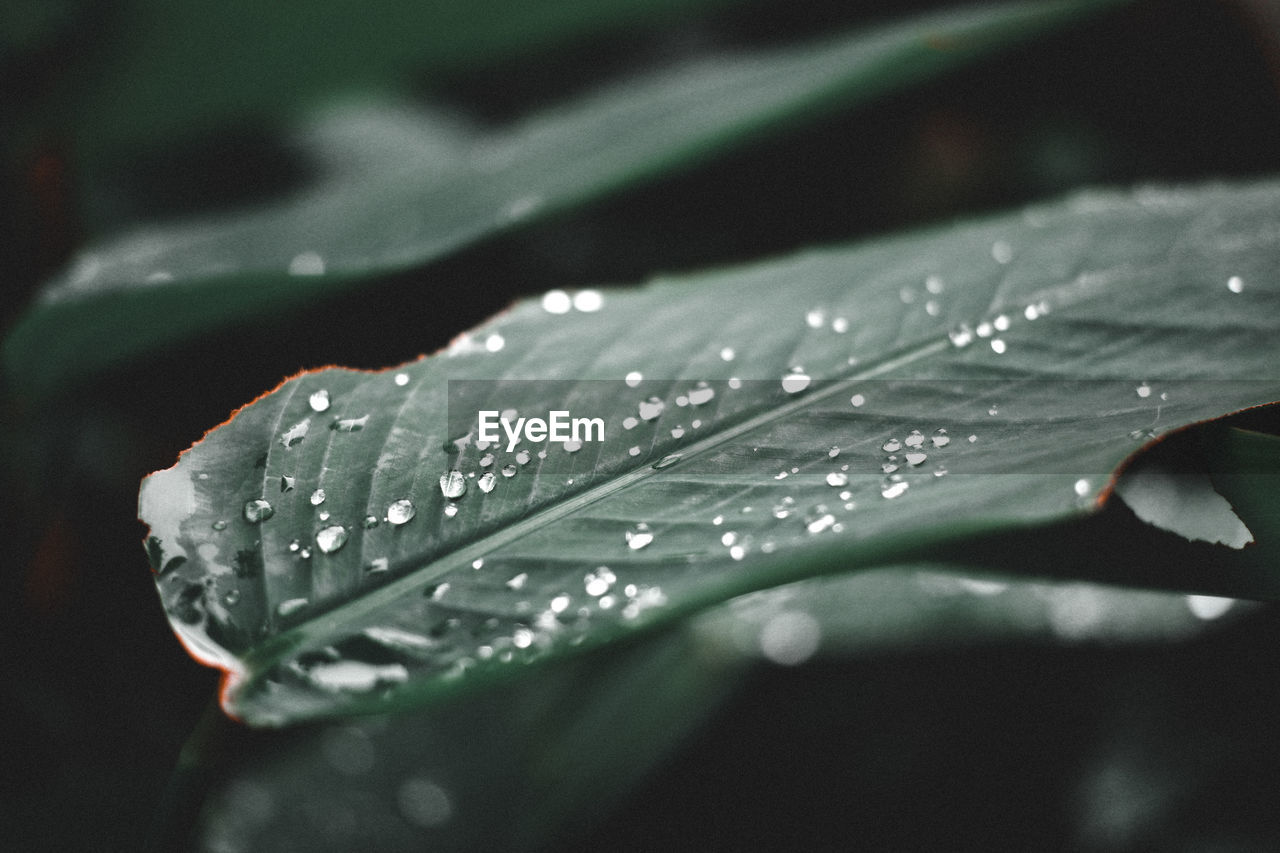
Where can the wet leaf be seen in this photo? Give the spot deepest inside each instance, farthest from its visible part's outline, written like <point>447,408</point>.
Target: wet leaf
<point>404,187</point>
<point>1114,321</point>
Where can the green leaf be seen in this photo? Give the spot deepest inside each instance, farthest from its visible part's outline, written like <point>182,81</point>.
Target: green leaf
<point>405,188</point>
<point>1049,344</point>
<point>180,67</point>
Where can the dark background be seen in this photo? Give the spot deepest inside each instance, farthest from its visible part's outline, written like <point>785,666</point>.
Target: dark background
<point>992,748</point>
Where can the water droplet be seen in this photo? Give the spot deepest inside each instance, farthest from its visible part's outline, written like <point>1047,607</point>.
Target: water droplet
<point>232,598</point>
<point>295,433</point>
<point>934,284</point>
<point>728,538</point>
<point>940,438</point>
<point>891,446</point>
<point>892,488</point>
<point>985,329</point>
<point>932,308</point>
<point>1142,434</point>
<point>494,342</point>
<point>350,424</point>
<point>940,471</point>
<point>634,451</point>
<point>286,483</point>
<point>588,301</point>
<point>666,461</point>
<point>998,346</point>
<point>257,510</point>
<point>916,458</point>
<point>701,394</point>
<point>815,319</point>
<point>961,336</point>
<point>523,457</point>
<point>370,522</point>
<point>1235,284</point>
<point>597,583</point>
<point>737,552</point>
<point>1082,487</point>
<point>1144,390</point>
<point>993,411</point>
<point>790,638</point>
<point>556,302</point>
<point>833,452</point>
<point>401,512</point>
<point>639,536</point>
<point>889,467</point>
<point>795,381</point>
<point>907,295</point>
<point>1001,323</point>
<point>453,484</point>
<point>727,354</point>
<point>1031,312</point>
<point>1208,607</point>
<point>317,497</point>
<point>319,400</point>
<point>306,263</point>
<point>450,510</point>
<point>972,439</point>
<point>1001,252</point>
<point>331,538</point>
<point>517,582</point>
<point>650,409</point>
<point>487,482</point>
<point>219,525</point>
<point>508,470</point>
<point>836,479</point>
<point>857,400</point>
<point>734,383</point>
<point>290,606</point>
<point>402,379</point>
<point>914,439</point>
<point>820,523</point>
<point>677,432</point>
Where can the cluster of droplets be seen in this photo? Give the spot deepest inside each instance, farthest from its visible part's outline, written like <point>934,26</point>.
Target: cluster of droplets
<point>908,454</point>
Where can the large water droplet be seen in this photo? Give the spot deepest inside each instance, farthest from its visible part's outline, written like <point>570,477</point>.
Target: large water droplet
<point>840,325</point>
<point>494,342</point>
<point>597,583</point>
<point>650,409</point>
<point>508,470</point>
<point>914,439</point>
<point>633,378</point>
<point>961,336</point>
<point>639,536</point>
<point>795,381</point>
<point>257,510</point>
<point>998,346</point>
<point>819,523</point>
<point>450,510</point>
<point>331,538</point>
<point>916,458</point>
<point>319,400</point>
<point>1235,284</point>
<point>453,484</point>
<point>588,301</point>
<point>836,479</point>
<point>727,354</point>
<point>296,433</point>
<point>1143,390</point>
<point>350,424</point>
<point>401,511</point>
<point>815,319</point>
<point>487,481</point>
<point>317,497</point>
<point>940,438</point>
<point>556,302</point>
<point>701,394</point>
<point>402,379</point>
<point>1082,487</point>
<point>857,400</point>
<point>523,457</point>
<point>893,487</point>
<point>891,446</point>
